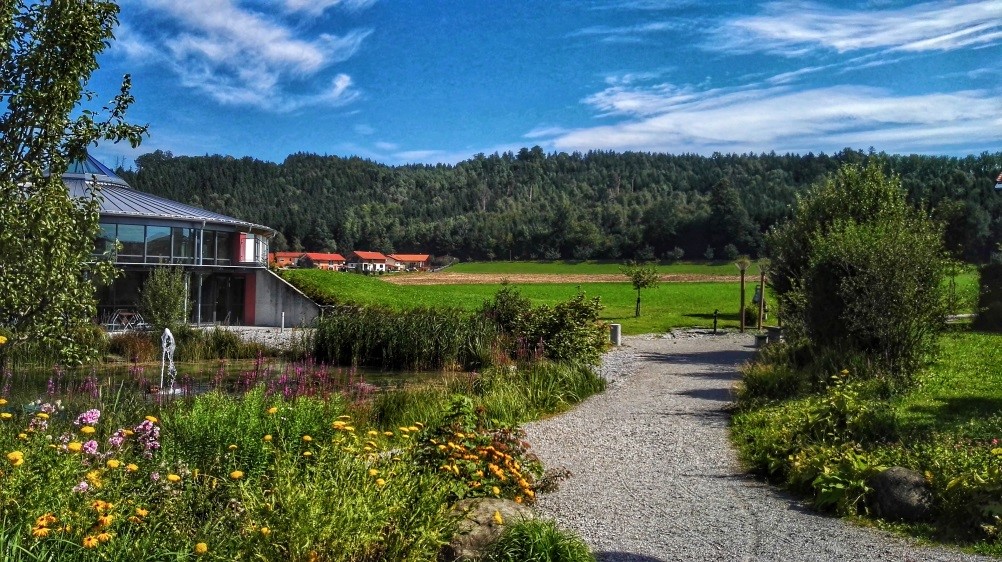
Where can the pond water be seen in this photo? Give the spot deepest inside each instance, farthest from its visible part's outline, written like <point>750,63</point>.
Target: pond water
<point>129,380</point>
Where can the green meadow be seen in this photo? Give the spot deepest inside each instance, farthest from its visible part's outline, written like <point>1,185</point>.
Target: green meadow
<point>671,305</point>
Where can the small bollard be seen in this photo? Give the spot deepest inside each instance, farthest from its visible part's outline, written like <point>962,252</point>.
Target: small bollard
<point>716,312</point>
<point>282,331</point>
<point>616,334</point>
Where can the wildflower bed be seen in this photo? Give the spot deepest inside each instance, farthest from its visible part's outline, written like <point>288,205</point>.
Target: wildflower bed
<point>264,477</point>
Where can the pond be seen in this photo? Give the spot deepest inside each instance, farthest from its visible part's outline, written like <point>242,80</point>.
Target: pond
<point>143,380</point>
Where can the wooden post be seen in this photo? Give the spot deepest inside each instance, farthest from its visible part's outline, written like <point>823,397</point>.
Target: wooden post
<point>761,297</point>
<point>741,311</point>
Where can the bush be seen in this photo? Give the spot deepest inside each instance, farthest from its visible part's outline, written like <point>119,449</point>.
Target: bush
<point>163,300</point>
<point>990,299</point>
<point>860,271</point>
<point>537,540</point>
<point>569,331</point>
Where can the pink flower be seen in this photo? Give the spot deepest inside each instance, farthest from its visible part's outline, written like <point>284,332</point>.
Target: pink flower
<point>90,417</point>
<point>82,487</point>
<point>90,447</point>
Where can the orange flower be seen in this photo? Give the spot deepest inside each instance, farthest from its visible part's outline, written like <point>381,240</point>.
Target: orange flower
<point>40,532</point>
<point>90,541</point>
<point>103,537</point>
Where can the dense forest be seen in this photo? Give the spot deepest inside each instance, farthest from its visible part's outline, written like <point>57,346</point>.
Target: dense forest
<point>530,205</point>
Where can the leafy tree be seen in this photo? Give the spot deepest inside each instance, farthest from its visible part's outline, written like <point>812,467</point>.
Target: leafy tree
<point>163,300</point>
<point>859,272</point>
<point>643,276</point>
<point>47,275</point>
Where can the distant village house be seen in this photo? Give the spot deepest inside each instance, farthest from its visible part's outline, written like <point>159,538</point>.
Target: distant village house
<point>409,262</point>
<point>367,262</point>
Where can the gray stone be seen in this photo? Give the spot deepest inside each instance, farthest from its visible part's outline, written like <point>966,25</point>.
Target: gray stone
<point>479,527</point>
<point>900,494</point>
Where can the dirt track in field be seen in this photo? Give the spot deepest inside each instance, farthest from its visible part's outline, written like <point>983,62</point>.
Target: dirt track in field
<point>453,278</point>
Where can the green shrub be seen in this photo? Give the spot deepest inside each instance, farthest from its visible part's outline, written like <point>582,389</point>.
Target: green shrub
<point>163,299</point>
<point>569,331</point>
<point>137,347</point>
<point>989,306</point>
<point>860,270</point>
<point>770,381</point>
<point>537,540</point>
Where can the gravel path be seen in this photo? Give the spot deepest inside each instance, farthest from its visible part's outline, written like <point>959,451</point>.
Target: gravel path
<point>654,477</point>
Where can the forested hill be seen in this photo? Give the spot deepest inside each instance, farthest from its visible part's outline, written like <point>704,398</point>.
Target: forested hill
<point>573,206</point>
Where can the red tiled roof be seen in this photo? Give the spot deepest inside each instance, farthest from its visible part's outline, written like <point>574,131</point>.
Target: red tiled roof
<point>410,257</point>
<point>272,256</point>
<point>317,256</point>
<point>369,255</point>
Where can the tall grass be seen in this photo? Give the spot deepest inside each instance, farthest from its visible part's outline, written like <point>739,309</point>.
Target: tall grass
<point>419,339</point>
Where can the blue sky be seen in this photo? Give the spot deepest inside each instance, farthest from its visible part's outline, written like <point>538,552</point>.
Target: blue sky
<point>415,81</point>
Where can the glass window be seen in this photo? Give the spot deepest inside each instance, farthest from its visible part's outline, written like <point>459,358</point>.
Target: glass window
<point>208,247</point>
<point>157,243</point>
<point>224,248</point>
<point>184,245</point>
<point>105,243</point>
<point>132,238</point>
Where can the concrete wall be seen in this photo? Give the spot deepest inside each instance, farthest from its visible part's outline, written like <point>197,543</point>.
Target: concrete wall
<point>275,296</point>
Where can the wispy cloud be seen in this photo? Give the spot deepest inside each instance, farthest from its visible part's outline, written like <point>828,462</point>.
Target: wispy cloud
<point>317,7</point>
<point>680,119</point>
<point>241,57</point>
<point>794,28</point>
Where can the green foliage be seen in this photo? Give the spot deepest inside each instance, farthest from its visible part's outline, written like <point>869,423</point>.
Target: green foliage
<point>568,331</point>
<point>642,276</point>
<point>537,540</point>
<point>417,339</point>
<point>163,299</point>
<point>989,307</point>
<point>507,309</point>
<point>859,271</point>
<point>47,275</point>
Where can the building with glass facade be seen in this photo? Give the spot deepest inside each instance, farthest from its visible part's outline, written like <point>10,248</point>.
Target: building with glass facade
<point>224,259</point>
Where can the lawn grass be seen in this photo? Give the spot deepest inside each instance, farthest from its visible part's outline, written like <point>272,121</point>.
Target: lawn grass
<point>563,267</point>
<point>671,305</point>
<point>961,393</point>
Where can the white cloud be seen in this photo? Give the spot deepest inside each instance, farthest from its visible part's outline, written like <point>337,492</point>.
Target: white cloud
<point>317,7</point>
<point>674,119</point>
<point>794,28</point>
<point>242,57</point>
<point>604,30</point>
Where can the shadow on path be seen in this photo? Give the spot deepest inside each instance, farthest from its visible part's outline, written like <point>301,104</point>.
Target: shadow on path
<point>624,557</point>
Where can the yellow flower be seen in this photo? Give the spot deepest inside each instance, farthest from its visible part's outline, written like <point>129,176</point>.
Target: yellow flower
<point>87,430</point>
<point>497,517</point>
<point>307,438</point>
<point>201,548</point>
<point>45,520</point>
<point>272,411</point>
<point>3,401</point>
<point>90,541</point>
<point>403,429</point>
<point>105,520</point>
<point>496,491</point>
<point>3,340</point>
<point>173,478</point>
<point>40,532</point>
<point>94,477</point>
<point>518,499</point>
<point>372,433</point>
<point>380,482</point>
<point>412,428</point>
<point>349,428</point>
<point>142,512</point>
<point>265,531</point>
<point>307,454</point>
<point>131,467</point>
<point>339,425</point>
<point>74,446</point>
<point>373,472</point>
<point>345,418</point>
<point>103,537</point>
<point>5,415</point>
<point>152,419</point>
<point>113,463</point>
<point>42,416</point>
<point>16,458</point>
<point>101,506</point>
<point>388,433</point>
<point>128,432</point>
<point>236,475</point>
<point>419,425</point>
<point>267,437</point>
<point>22,435</point>
<point>232,447</point>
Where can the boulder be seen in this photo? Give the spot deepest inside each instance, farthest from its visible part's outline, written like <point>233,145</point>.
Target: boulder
<point>900,494</point>
<point>481,523</point>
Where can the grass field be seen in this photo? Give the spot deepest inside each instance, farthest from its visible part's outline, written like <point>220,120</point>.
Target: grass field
<point>721,268</point>
<point>671,305</point>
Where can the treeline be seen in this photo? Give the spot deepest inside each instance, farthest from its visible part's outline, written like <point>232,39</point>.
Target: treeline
<point>530,205</point>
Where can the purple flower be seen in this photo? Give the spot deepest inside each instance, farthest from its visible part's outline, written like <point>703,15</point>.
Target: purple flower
<point>154,476</point>
<point>82,487</point>
<point>90,417</point>
<point>148,435</point>
<point>90,447</point>
<point>117,439</point>
<point>38,424</point>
